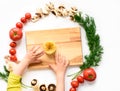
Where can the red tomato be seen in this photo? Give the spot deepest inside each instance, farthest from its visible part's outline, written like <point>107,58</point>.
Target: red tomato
<point>15,34</point>
<point>12,51</point>
<point>89,74</point>
<point>80,79</point>
<point>74,84</point>
<point>13,58</point>
<point>23,20</point>
<point>19,25</point>
<point>72,89</point>
<point>13,44</point>
<point>28,16</point>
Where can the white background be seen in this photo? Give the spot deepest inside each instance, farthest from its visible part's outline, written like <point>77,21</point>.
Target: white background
<point>106,14</point>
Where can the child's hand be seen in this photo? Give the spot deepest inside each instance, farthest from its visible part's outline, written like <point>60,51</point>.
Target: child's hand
<point>33,54</point>
<point>61,64</point>
<point>60,68</point>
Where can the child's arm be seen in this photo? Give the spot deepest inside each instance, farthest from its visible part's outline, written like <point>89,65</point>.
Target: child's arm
<point>60,68</point>
<point>30,57</point>
<point>18,69</point>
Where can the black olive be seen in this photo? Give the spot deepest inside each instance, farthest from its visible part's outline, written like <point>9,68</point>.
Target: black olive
<point>42,87</point>
<point>51,87</point>
<point>33,82</point>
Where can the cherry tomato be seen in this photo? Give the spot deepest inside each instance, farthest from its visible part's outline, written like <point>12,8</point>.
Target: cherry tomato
<point>19,25</point>
<point>89,74</point>
<point>80,79</point>
<point>13,44</point>
<point>28,16</point>
<point>74,84</point>
<point>15,34</point>
<point>72,89</point>
<point>12,51</point>
<point>13,58</point>
<point>23,20</point>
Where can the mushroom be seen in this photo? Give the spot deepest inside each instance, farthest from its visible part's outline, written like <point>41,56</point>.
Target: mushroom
<point>73,11</point>
<point>59,12</point>
<point>54,12</point>
<point>51,87</point>
<point>50,7</point>
<point>72,18</point>
<point>42,87</point>
<point>74,8</point>
<point>39,12</point>
<point>45,12</point>
<point>62,11</point>
<point>34,82</point>
<point>61,7</point>
<point>35,18</point>
<point>35,85</point>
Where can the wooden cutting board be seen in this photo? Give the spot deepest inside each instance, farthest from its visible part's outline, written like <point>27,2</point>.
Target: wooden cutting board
<point>67,40</point>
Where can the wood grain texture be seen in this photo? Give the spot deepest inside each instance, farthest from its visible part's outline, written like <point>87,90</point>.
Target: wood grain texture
<point>67,40</point>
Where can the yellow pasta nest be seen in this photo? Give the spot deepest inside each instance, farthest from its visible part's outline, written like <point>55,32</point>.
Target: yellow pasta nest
<point>49,47</point>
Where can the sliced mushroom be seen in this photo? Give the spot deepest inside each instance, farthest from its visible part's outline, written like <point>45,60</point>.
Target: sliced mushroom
<point>72,18</point>
<point>73,11</point>
<point>65,13</point>
<point>50,6</point>
<point>39,12</point>
<point>34,82</point>
<point>61,7</point>
<point>74,8</point>
<point>45,12</point>
<point>42,87</point>
<point>59,12</point>
<point>54,12</point>
<point>35,18</point>
<point>51,87</point>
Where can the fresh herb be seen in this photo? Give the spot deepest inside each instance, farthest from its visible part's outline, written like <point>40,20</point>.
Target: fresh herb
<point>96,50</point>
<point>4,75</point>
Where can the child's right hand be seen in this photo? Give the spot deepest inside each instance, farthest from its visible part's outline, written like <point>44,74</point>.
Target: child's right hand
<point>61,64</point>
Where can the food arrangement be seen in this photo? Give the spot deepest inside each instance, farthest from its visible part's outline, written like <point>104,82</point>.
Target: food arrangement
<point>86,72</point>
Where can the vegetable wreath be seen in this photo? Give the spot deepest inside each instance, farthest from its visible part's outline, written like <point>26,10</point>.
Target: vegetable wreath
<point>86,71</point>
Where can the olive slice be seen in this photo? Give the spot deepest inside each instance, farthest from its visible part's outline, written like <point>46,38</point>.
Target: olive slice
<point>51,87</point>
<point>42,87</point>
<point>34,82</point>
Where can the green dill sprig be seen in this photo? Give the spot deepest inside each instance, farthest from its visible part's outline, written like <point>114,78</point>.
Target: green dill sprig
<point>96,50</point>
<point>4,75</point>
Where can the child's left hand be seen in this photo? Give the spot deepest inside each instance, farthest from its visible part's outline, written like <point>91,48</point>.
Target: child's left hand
<point>31,56</point>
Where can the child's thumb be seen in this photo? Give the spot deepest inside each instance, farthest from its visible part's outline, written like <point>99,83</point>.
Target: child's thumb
<point>52,66</point>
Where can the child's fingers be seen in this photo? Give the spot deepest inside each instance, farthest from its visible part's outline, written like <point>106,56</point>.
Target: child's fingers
<point>67,63</point>
<point>60,58</point>
<point>56,57</point>
<point>35,49</point>
<point>39,52</point>
<point>52,66</point>
<point>31,48</point>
